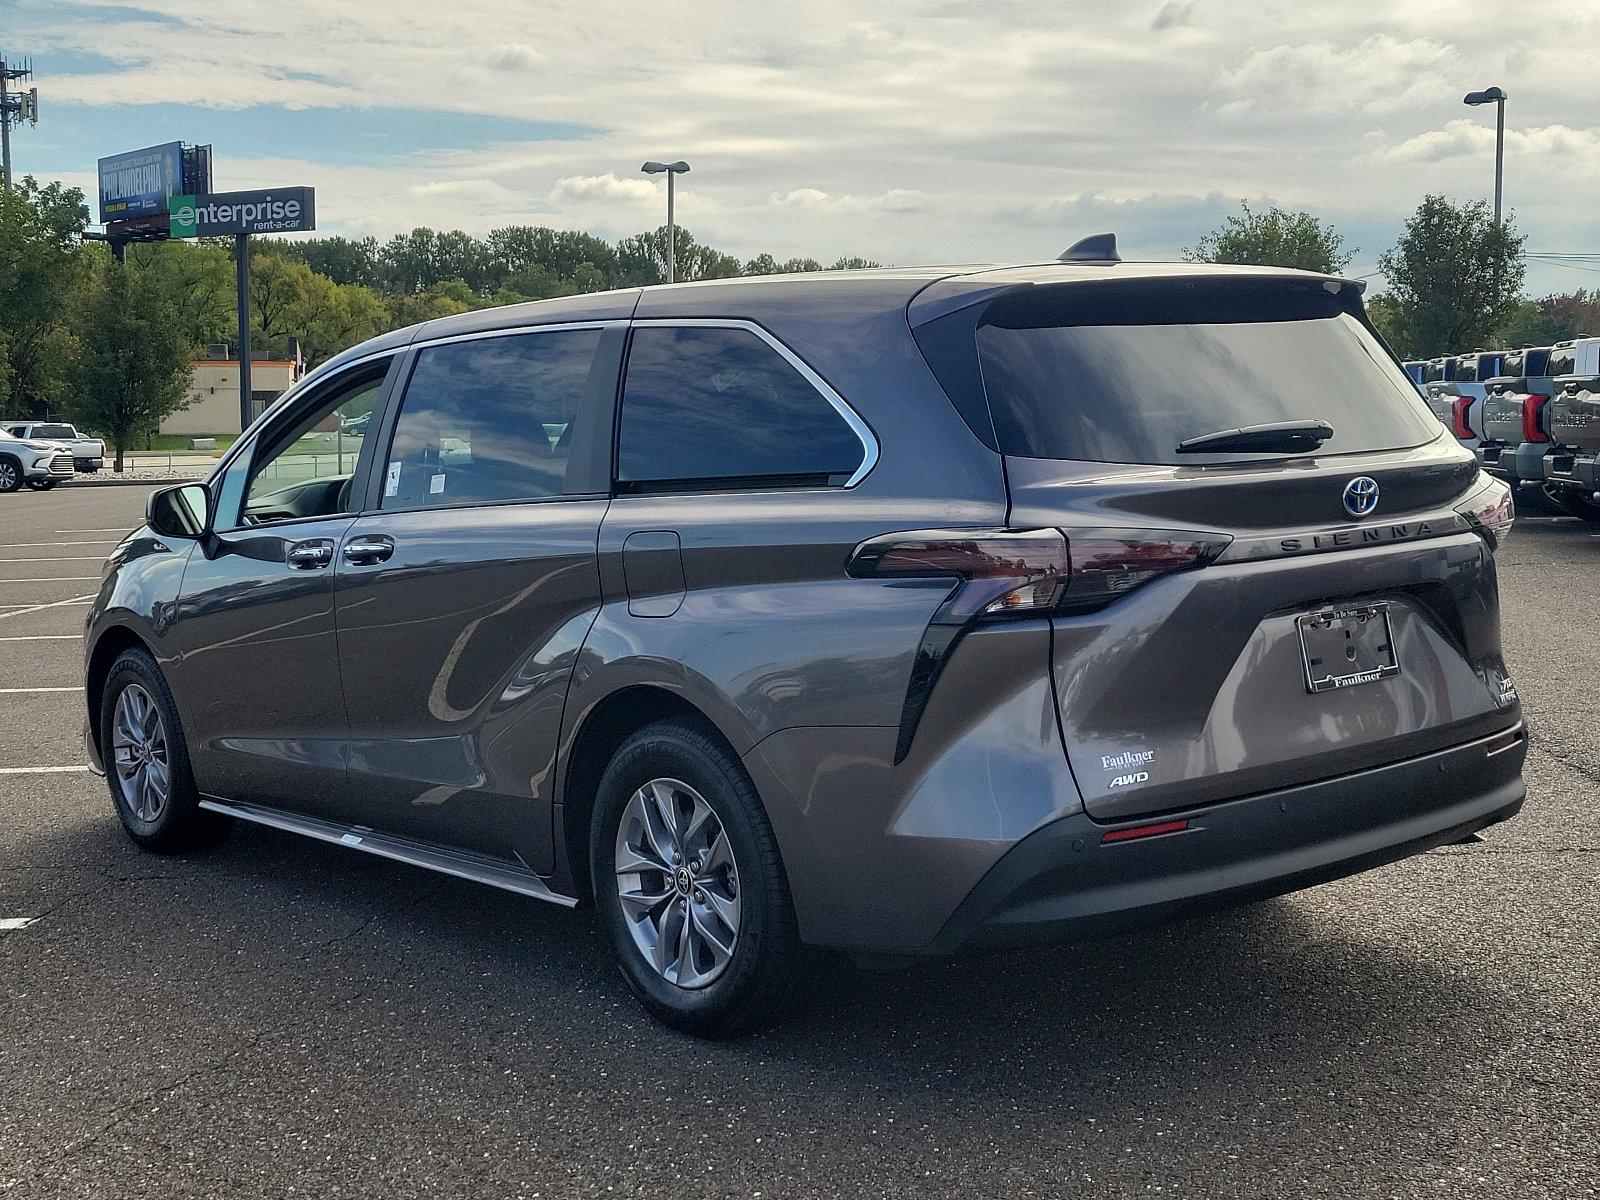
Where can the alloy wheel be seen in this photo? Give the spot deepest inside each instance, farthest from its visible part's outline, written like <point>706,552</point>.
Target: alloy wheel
<point>678,883</point>
<point>8,477</point>
<point>139,754</point>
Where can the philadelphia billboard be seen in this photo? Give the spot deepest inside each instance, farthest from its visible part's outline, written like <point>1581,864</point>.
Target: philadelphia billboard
<point>140,182</point>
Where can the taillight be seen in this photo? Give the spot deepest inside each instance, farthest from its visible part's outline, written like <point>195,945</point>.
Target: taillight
<point>1458,417</point>
<point>1490,511</point>
<point>1532,418</point>
<point>1006,573</point>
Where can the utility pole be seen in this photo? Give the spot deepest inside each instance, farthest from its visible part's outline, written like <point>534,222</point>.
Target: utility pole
<point>670,170</point>
<point>241,276</point>
<point>15,108</point>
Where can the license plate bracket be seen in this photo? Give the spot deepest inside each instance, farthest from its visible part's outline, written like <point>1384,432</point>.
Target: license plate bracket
<point>1346,647</point>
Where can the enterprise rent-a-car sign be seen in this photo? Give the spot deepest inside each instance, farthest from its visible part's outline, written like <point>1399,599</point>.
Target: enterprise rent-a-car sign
<point>139,183</point>
<point>273,210</point>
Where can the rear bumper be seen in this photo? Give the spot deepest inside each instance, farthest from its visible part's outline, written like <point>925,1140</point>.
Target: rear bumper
<point>1572,470</point>
<point>1523,463</point>
<point>1063,880</point>
<point>88,465</point>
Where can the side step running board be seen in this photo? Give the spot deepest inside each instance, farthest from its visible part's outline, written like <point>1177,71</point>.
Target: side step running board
<point>513,877</point>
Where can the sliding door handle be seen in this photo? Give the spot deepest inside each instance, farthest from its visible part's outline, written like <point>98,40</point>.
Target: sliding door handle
<point>368,549</point>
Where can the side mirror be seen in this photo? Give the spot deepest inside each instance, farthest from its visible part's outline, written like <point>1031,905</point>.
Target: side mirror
<point>183,511</point>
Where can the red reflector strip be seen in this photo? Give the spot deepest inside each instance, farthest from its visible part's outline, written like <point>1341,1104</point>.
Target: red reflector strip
<point>1143,831</point>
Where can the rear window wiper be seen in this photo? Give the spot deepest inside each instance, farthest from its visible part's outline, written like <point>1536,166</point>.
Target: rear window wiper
<point>1278,437</point>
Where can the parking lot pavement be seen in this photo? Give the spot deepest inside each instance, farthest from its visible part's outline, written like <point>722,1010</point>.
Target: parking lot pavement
<point>278,1017</point>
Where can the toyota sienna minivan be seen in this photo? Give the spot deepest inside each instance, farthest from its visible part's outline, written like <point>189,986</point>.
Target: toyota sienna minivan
<point>900,612</point>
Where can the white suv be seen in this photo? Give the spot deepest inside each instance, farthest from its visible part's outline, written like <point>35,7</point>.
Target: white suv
<point>40,465</point>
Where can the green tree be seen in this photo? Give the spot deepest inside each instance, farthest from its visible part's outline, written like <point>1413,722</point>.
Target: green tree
<point>1551,319</point>
<point>1456,277</point>
<point>42,266</point>
<point>197,280</point>
<point>852,262</point>
<point>133,361</point>
<point>1275,238</point>
<point>343,260</point>
<point>412,308</point>
<point>1383,310</point>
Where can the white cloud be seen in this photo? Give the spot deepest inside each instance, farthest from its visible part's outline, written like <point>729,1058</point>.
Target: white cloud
<point>582,189</point>
<point>895,200</point>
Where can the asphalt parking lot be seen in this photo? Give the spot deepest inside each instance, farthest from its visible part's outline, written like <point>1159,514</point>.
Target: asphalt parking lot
<point>277,1017</point>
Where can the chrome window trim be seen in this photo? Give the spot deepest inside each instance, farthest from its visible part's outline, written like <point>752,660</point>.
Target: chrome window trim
<point>859,427</point>
<point>316,377</point>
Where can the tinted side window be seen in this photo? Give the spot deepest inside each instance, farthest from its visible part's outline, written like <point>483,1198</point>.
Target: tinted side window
<point>721,405</point>
<point>490,419</point>
<point>1563,361</point>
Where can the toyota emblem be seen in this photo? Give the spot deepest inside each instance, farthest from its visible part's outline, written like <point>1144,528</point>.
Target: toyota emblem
<point>1361,496</point>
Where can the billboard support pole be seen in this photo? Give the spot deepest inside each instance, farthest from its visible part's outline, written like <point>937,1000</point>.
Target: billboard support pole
<point>241,273</point>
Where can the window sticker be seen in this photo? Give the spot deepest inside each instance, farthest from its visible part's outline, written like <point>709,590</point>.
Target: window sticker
<point>436,485</point>
<point>391,485</point>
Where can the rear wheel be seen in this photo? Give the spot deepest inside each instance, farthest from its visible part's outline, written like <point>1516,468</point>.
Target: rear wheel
<point>689,885</point>
<point>147,760</point>
<point>10,473</point>
<point>1577,504</point>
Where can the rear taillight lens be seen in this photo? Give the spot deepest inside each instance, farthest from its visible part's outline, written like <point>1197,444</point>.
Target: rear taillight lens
<point>1533,418</point>
<point>1006,573</point>
<point>1458,416</point>
<point>1490,510</point>
<point>1002,571</point>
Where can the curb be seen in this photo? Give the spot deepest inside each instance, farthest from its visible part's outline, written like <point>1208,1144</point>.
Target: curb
<point>114,482</point>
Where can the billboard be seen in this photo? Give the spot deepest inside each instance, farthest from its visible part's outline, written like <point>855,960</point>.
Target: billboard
<point>271,210</point>
<point>140,182</point>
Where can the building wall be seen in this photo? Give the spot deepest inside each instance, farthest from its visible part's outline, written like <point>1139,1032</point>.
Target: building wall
<point>214,394</point>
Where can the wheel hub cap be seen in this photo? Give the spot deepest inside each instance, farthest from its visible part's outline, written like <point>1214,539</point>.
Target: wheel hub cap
<point>139,754</point>
<point>678,883</point>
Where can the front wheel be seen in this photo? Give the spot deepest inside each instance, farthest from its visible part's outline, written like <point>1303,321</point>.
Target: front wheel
<point>42,485</point>
<point>690,887</point>
<point>147,760</point>
<point>10,473</point>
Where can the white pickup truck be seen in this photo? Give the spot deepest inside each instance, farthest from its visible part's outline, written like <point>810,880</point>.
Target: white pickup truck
<point>88,454</point>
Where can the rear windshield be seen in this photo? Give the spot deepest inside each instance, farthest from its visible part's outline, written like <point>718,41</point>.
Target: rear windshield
<point>1563,361</point>
<point>53,431</point>
<point>1124,372</point>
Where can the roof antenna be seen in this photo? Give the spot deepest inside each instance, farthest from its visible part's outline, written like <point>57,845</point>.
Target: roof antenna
<point>1097,247</point>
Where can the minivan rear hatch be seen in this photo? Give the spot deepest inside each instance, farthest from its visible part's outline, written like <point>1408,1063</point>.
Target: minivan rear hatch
<point>1247,620</point>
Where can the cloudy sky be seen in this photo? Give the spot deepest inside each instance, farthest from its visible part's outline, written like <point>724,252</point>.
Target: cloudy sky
<point>903,130</point>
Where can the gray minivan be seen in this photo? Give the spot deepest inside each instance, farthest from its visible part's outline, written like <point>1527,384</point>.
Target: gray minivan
<point>899,612</point>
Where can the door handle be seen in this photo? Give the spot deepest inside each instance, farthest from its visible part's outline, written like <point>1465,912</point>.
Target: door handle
<point>368,549</point>
<point>310,555</point>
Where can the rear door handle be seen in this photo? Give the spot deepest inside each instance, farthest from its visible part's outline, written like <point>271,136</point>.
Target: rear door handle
<point>310,555</point>
<point>368,549</point>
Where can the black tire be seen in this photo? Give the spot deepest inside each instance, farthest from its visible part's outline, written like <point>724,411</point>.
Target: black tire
<point>180,824</point>
<point>1576,504</point>
<point>10,473</point>
<point>42,485</point>
<point>763,977</point>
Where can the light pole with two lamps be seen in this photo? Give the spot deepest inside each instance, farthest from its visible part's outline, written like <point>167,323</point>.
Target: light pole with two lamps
<point>671,169</point>
<point>1496,97</point>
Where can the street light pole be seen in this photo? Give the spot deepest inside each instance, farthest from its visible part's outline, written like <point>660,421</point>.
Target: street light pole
<point>1496,97</point>
<point>670,169</point>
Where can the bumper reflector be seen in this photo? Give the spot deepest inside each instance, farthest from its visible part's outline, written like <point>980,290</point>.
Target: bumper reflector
<point>1143,831</point>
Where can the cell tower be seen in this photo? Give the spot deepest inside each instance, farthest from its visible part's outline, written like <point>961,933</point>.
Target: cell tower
<point>16,106</point>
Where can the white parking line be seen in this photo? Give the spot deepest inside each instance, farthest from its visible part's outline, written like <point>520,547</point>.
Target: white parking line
<point>47,578</point>
<point>9,923</point>
<point>45,545</point>
<point>102,529</point>
<point>41,637</point>
<point>21,691</point>
<point>41,607</point>
<point>41,770</point>
<point>62,558</point>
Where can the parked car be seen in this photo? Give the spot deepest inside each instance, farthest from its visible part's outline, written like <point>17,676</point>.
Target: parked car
<point>39,465</point>
<point>1516,426</point>
<point>88,453</point>
<point>844,610</point>
<point>1571,469</point>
